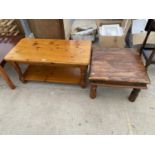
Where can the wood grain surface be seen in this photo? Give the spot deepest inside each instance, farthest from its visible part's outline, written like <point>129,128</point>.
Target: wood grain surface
<point>118,65</point>
<point>70,75</point>
<point>47,28</point>
<point>51,51</point>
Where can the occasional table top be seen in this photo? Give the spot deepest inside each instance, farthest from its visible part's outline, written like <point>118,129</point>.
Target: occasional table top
<point>70,52</point>
<point>118,65</point>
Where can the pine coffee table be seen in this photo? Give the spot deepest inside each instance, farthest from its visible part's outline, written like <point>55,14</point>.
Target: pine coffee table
<point>60,61</point>
<point>118,67</point>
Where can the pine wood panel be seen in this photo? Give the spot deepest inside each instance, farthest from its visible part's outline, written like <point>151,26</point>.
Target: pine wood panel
<point>118,66</point>
<point>47,51</point>
<point>56,74</point>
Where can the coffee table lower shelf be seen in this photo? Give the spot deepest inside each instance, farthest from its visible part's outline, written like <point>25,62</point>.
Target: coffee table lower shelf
<point>68,75</point>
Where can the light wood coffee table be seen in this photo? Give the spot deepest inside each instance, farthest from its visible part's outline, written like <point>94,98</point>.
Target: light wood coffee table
<point>60,61</point>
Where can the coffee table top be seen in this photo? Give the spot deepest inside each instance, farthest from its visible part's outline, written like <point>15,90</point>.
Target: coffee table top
<point>70,52</point>
<point>118,65</point>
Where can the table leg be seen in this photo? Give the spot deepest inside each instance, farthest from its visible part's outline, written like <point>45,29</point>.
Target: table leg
<point>93,91</point>
<point>83,76</point>
<point>134,94</point>
<point>18,70</point>
<point>3,63</point>
<point>6,78</point>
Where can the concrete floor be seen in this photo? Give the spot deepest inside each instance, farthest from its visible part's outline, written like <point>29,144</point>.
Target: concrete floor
<point>46,108</point>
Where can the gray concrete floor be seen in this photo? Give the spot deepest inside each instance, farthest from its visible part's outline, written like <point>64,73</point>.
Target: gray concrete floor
<point>46,108</point>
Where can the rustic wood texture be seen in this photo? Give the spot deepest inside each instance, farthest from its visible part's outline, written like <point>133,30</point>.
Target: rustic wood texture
<point>56,74</point>
<point>118,68</point>
<point>47,51</point>
<point>47,28</point>
<point>120,65</point>
<point>93,91</point>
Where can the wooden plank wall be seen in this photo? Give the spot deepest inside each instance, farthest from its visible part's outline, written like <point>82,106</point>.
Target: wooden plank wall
<point>47,28</point>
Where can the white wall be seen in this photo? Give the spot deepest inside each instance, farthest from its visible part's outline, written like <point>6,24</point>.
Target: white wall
<point>67,27</point>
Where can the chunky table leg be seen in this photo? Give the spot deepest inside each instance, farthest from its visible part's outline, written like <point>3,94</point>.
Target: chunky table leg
<point>18,70</point>
<point>6,78</point>
<point>93,91</point>
<point>83,76</point>
<point>134,94</point>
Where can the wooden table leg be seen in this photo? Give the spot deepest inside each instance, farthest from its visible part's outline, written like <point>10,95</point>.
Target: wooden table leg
<point>3,63</point>
<point>83,82</point>
<point>134,94</point>
<point>18,70</point>
<point>93,91</point>
<point>6,78</point>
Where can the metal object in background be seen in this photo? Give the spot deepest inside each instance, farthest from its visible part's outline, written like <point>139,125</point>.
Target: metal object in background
<point>26,28</point>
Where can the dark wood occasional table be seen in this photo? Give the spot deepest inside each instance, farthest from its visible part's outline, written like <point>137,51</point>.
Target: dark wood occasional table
<point>118,68</point>
<point>60,61</point>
